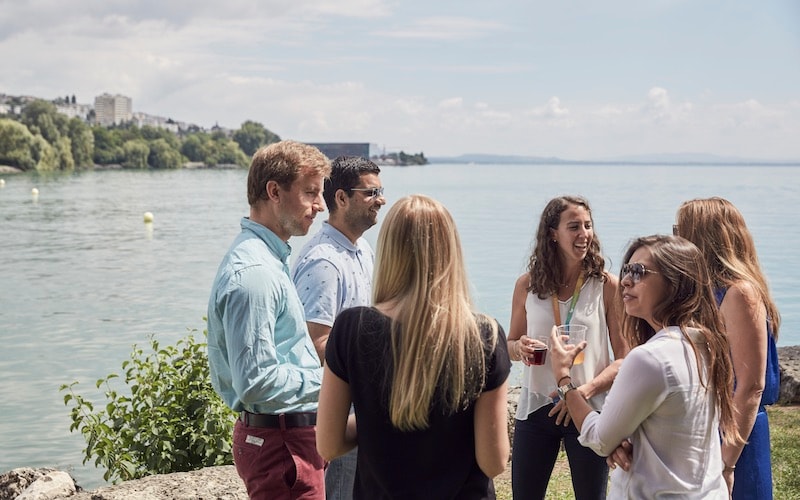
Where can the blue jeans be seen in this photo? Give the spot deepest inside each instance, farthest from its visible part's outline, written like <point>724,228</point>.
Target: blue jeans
<point>536,444</point>
<point>340,476</point>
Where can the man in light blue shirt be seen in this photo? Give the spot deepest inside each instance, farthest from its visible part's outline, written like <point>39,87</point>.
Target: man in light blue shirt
<point>333,271</point>
<point>261,359</point>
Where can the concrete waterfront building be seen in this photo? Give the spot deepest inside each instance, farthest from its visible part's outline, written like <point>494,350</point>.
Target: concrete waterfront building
<point>112,109</point>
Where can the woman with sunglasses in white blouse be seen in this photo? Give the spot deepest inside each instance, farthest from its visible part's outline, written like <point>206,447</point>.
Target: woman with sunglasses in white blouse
<point>671,399</point>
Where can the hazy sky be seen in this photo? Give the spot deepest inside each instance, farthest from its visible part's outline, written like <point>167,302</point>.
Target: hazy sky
<point>574,79</point>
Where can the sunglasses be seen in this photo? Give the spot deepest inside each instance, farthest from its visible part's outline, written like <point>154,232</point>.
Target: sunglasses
<point>636,271</point>
<point>370,192</point>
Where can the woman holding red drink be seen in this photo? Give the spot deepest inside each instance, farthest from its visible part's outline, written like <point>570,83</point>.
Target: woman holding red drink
<point>566,284</point>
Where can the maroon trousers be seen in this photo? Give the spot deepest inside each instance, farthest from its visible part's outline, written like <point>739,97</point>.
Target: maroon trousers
<point>280,464</point>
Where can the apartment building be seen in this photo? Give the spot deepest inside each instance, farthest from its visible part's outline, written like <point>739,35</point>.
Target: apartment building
<point>112,109</point>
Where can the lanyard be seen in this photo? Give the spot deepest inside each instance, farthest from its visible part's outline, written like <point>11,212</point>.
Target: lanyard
<point>573,302</point>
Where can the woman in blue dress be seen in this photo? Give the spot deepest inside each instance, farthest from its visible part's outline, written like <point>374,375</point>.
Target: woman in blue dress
<point>751,321</point>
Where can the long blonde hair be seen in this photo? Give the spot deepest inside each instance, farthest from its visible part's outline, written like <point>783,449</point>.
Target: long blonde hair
<point>437,351</point>
<point>718,229</point>
<point>689,303</point>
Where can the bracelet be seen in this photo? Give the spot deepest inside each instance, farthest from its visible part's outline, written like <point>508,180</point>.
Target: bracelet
<point>728,468</point>
<point>562,378</point>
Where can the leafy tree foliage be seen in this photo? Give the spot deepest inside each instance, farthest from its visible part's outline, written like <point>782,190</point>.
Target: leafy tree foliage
<point>192,147</point>
<point>42,118</point>
<point>82,141</point>
<point>54,142</point>
<point>252,135</point>
<point>107,146</point>
<point>17,145</point>
<point>136,152</point>
<point>164,155</point>
<point>170,421</point>
<point>24,150</point>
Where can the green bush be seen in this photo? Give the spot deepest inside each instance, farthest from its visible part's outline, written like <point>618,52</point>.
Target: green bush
<point>172,421</point>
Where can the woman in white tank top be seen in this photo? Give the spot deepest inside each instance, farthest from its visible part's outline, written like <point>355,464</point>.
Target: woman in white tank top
<point>566,283</point>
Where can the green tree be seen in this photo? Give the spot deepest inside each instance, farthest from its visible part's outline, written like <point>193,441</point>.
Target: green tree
<point>135,154</point>
<point>192,147</point>
<point>225,152</point>
<point>107,146</point>
<point>213,149</point>
<point>63,149</point>
<point>47,158</point>
<point>82,141</point>
<point>151,133</point>
<point>171,420</point>
<point>252,135</point>
<point>17,145</point>
<point>163,155</point>
<point>42,118</point>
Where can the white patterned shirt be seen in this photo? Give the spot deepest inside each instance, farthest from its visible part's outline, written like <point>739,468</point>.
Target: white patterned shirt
<point>331,274</point>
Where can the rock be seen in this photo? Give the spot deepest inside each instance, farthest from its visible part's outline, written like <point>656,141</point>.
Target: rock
<point>55,484</point>
<point>35,484</point>
<point>208,483</point>
<point>7,169</point>
<point>50,484</point>
<point>789,360</point>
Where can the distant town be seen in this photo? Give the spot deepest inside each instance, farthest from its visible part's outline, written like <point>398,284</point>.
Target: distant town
<point>115,111</point>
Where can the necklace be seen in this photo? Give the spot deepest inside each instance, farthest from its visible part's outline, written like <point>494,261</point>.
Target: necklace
<point>573,302</point>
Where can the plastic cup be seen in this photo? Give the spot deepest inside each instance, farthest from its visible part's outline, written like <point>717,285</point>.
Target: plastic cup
<point>539,351</point>
<point>576,334</point>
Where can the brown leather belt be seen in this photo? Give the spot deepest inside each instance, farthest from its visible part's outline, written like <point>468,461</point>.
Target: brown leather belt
<point>282,421</point>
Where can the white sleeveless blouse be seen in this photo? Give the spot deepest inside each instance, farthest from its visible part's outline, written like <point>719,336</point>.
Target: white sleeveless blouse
<point>538,381</point>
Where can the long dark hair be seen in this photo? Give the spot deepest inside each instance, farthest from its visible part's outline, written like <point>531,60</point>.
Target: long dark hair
<point>544,264</point>
<point>689,302</point>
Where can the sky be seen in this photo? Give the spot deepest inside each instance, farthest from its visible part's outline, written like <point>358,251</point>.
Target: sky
<point>580,79</point>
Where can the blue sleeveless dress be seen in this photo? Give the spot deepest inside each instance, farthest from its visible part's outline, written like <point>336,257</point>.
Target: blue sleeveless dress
<point>753,474</point>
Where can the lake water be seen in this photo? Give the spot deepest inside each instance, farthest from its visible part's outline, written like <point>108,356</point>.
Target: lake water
<point>83,278</point>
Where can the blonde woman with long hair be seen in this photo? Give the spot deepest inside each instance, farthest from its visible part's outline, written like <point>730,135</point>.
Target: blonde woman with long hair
<point>672,396</point>
<point>426,373</point>
<point>752,322</point>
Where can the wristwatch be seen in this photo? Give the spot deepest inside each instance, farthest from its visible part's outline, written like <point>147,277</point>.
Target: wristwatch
<point>564,389</point>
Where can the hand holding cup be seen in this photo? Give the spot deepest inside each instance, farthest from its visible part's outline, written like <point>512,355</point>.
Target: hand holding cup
<point>562,355</point>
<point>573,335</point>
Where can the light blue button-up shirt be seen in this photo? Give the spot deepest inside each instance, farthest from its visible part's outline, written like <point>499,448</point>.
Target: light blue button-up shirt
<point>260,355</point>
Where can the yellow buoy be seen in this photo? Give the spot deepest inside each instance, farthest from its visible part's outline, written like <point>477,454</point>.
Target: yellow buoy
<point>148,217</point>
<point>2,182</point>
<point>34,191</point>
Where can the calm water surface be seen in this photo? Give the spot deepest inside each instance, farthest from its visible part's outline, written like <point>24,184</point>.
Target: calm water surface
<point>83,278</point>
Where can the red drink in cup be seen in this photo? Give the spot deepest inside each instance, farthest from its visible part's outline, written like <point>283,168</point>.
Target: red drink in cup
<point>539,355</point>
<point>540,347</point>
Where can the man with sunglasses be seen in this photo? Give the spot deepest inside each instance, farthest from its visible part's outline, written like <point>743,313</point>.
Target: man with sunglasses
<point>333,272</point>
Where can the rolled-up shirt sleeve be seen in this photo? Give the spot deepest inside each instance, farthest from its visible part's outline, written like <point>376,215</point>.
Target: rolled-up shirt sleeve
<point>267,351</point>
<point>639,388</point>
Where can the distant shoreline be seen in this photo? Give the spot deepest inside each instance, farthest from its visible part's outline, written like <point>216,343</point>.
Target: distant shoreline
<point>9,170</point>
<point>558,161</point>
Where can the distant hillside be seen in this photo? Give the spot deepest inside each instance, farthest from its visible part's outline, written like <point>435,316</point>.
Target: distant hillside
<point>489,158</point>
<point>654,159</point>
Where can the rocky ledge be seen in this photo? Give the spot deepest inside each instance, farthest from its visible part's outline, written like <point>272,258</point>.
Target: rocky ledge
<point>223,482</point>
